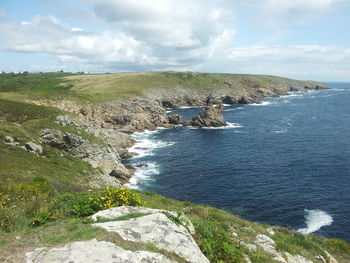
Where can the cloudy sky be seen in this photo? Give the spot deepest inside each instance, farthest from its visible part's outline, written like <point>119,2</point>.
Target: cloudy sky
<point>304,39</point>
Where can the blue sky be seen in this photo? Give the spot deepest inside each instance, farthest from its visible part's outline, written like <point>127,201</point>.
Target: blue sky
<point>303,39</point>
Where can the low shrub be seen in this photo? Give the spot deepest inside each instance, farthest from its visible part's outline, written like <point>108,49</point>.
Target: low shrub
<point>216,242</point>
<point>85,204</point>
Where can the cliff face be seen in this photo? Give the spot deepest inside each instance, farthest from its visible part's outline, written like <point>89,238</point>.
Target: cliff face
<point>153,92</point>
<point>47,169</point>
<point>117,117</point>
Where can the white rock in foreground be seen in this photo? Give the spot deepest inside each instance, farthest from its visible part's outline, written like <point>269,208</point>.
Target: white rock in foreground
<point>270,247</point>
<point>115,212</point>
<point>94,251</point>
<point>158,229</point>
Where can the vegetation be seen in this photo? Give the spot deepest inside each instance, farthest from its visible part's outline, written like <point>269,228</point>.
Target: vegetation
<point>45,200</point>
<point>103,87</point>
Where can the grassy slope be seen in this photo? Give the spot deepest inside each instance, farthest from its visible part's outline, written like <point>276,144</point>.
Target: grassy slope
<point>53,175</point>
<point>103,87</point>
<point>131,84</point>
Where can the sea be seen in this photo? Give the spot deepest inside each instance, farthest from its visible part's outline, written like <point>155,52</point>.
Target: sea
<point>285,161</point>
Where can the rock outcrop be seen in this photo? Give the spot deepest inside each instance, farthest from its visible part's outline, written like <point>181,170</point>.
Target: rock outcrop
<point>175,119</point>
<point>210,116</point>
<point>33,147</point>
<point>10,141</point>
<point>104,157</point>
<point>268,245</point>
<point>154,227</point>
<point>94,251</point>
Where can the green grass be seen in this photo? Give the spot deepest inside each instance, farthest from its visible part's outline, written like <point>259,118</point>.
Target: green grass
<point>95,88</point>
<point>51,189</point>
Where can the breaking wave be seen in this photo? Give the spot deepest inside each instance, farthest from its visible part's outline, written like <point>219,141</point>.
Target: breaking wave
<point>315,219</point>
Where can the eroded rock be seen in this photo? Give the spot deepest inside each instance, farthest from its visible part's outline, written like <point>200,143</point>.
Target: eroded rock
<point>33,147</point>
<point>270,247</point>
<point>104,157</point>
<point>94,251</point>
<point>175,119</point>
<point>64,120</point>
<point>210,116</point>
<point>154,228</point>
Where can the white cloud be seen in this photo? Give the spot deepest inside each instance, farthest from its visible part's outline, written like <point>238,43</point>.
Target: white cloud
<point>158,34</point>
<point>46,34</point>
<point>171,23</point>
<point>275,14</point>
<point>303,61</point>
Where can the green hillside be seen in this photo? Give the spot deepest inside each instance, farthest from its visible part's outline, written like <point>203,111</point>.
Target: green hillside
<point>45,199</point>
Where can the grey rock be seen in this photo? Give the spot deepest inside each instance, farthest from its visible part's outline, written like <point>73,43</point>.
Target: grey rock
<point>33,147</point>
<point>158,229</point>
<point>142,165</point>
<point>210,116</point>
<point>93,251</point>
<point>119,211</point>
<point>270,247</point>
<point>296,259</point>
<point>9,139</point>
<point>128,155</point>
<point>175,119</point>
<point>104,157</point>
<point>121,173</point>
<point>64,120</point>
<point>270,231</point>
<point>249,246</point>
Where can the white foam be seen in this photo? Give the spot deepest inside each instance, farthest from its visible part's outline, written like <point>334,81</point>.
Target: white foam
<point>230,125</point>
<point>237,108</point>
<point>143,174</point>
<point>315,219</point>
<point>280,131</point>
<point>263,103</point>
<point>145,144</point>
<point>190,107</point>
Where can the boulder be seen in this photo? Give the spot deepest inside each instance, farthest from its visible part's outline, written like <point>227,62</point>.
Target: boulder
<point>269,246</point>
<point>127,155</point>
<point>93,251</point>
<point>155,228</point>
<point>104,157</point>
<point>33,147</point>
<point>119,211</point>
<point>210,116</point>
<point>142,165</point>
<point>121,173</point>
<point>175,119</point>
<point>64,120</point>
<point>9,139</point>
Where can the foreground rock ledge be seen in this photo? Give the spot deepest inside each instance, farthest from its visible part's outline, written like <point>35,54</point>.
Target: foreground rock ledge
<point>94,251</point>
<point>155,227</point>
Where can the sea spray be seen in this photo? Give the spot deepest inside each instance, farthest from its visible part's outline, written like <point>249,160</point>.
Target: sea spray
<point>144,147</point>
<point>315,219</point>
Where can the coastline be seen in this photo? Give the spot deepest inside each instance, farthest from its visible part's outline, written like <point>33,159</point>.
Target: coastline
<point>144,147</point>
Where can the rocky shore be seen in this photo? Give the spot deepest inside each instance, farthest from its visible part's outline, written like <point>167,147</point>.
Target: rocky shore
<point>115,120</point>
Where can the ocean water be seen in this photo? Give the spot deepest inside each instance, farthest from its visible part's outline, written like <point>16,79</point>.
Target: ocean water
<point>284,162</point>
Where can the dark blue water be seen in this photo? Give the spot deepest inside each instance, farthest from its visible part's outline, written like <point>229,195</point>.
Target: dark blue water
<point>288,162</point>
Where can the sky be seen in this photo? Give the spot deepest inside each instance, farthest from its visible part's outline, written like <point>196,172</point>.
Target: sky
<point>302,39</point>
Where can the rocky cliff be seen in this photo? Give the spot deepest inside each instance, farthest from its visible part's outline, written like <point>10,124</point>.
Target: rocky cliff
<point>115,118</point>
